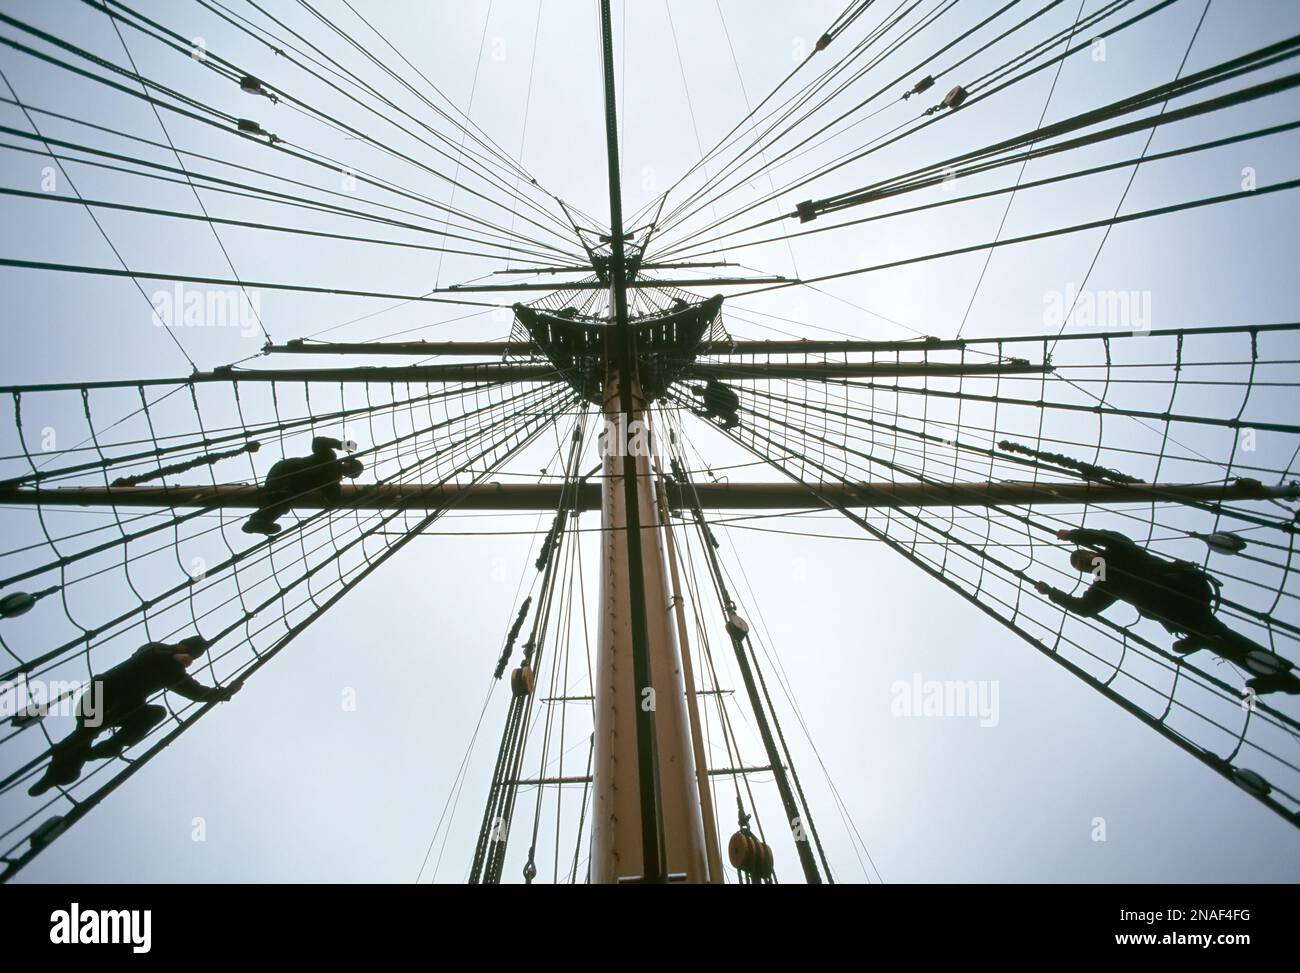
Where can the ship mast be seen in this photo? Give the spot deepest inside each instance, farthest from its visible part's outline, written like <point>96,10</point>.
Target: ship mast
<point>646,822</point>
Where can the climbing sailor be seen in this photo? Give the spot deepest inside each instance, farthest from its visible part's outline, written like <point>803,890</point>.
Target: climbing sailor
<point>121,704</point>
<point>302,478</point>
<point>720,402</point>
<point>1178,594</point>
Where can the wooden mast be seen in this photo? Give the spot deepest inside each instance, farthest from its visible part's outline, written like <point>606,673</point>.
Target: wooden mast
<point>646,820</point>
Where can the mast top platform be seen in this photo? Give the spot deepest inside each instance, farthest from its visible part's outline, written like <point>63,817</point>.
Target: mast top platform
<point>576,341</point>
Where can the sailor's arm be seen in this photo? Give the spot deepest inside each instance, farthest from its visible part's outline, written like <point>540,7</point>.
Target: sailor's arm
<point>1107,540</point>
<point>191,688</point>
<point>1092,602</point>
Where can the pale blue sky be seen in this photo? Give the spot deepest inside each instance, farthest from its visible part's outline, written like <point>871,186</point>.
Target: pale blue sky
<point>293,787</point>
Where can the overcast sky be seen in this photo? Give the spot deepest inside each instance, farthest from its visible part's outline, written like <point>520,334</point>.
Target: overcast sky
<point>293,785</point>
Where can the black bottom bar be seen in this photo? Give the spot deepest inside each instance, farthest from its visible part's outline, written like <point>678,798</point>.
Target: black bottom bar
<point>914,924</point>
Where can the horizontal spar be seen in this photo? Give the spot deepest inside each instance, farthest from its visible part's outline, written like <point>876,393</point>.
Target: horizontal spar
<point>677,265</point>
<point>599,285</point>
<point>500,349</point>
<point>545,372</point>
<point>489,349</point>
<point>539,372</point>
<point>470,372</point>
<point>829,371</point>
<point>423,349</point>
<point>713,772</point>
<point>712,496</point>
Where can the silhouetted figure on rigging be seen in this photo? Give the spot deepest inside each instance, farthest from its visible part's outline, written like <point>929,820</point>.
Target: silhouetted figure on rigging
<point>720,402</point>
<point>1177,594</point>
<point>300,479</point>
<point>120,703</point>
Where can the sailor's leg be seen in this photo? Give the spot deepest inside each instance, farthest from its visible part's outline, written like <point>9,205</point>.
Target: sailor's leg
<point>263,520</point>
<point>67,757</point>
<point>1269,672</point>
<point>133,728</point>
<point>1248,653</point>
<point>1278,682</point>
<point>1203,631</point>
